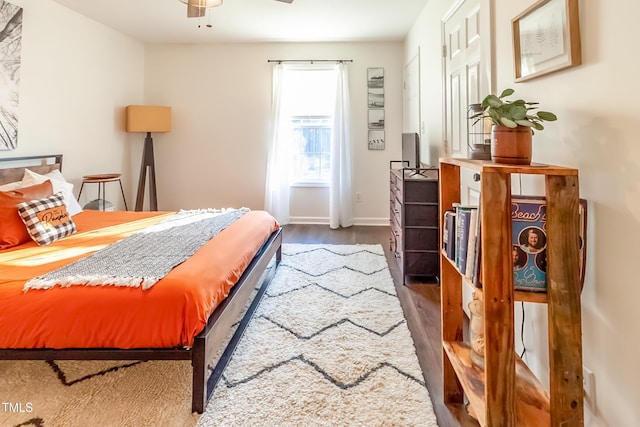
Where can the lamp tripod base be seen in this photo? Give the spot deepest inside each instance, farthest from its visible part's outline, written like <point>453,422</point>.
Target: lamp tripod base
<point>147,163</point>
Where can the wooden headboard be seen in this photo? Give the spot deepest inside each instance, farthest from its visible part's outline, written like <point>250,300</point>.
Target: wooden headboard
<point>12,168</point>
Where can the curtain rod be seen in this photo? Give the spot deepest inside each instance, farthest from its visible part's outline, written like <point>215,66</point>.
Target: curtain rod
<point>279,61</point>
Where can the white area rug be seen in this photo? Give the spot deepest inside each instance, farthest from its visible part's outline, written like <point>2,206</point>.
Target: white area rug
<point>328,345</point>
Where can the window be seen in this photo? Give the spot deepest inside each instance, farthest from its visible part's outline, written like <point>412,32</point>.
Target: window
<point>307,105</point>
<point>311,154</point>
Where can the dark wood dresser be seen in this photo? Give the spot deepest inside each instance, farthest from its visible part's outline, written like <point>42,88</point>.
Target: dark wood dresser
<point>414,221</point>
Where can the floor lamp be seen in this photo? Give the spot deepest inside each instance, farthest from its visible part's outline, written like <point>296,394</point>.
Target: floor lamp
<point>146,118</point>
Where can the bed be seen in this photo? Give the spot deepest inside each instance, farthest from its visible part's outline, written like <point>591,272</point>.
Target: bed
<point>189,314</point>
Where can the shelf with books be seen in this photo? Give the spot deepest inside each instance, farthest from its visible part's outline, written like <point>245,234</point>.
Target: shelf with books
<point>494,391</point>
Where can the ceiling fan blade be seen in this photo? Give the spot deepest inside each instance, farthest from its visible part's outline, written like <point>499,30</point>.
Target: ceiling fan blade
<point>286,1</point>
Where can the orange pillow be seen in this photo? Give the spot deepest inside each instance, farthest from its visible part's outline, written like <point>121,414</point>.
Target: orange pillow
<point>12,229</point>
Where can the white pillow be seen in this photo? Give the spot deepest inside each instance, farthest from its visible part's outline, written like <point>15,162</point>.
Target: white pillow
<point>59,184</point>
<point>11,186</point>
<point>55,174</point>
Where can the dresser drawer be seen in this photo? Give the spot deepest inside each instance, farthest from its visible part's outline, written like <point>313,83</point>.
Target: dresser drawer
<point>395,226</point>
<point>395,181</point>
<point>420,191</point>
<point>398,194</point>
<point>420,238</point>
<point>421,215</point>
<point>392,243</point>
<point>396,209</point>
<point>421,263</point>
<point>396,232</point>
<point>394,223</point>
<point>398,256</point>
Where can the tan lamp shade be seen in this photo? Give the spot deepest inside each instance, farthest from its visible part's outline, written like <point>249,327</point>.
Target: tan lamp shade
<point>148,118</point>
<point>202,3</point>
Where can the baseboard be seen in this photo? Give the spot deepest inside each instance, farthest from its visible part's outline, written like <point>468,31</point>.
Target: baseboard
<point>381,222</point>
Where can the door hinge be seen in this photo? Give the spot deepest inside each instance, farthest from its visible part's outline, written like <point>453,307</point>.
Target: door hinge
<point>444,50</point>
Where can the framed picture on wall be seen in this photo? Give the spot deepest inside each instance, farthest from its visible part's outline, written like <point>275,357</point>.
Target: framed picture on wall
<point>546,38</point>
<point>10,47</point>
<point>376,140</point>
<point>376,97</point>
<point>376,119</point>
<point>375,77</point>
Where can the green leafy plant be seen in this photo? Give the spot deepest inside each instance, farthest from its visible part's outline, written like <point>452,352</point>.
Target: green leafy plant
<point>513,113</point>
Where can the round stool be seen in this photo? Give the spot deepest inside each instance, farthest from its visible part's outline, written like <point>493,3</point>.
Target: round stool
<point>101,180</point>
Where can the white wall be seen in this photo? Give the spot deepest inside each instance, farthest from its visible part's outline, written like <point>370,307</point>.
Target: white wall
<point>597,132</point>
<point>75,77</point>
<point>75,84</point>
<point>220,94</point>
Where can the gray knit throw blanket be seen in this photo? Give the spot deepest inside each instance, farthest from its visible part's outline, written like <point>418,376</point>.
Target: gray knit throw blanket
<point>145,257</point>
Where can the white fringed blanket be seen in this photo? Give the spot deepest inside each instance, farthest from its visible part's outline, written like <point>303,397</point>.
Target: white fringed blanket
<point>145,257</point>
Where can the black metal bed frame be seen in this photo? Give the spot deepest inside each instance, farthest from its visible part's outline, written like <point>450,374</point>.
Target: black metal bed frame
<point>206,343</point>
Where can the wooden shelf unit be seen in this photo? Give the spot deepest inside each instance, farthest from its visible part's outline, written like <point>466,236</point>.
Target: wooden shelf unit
<point>506,393</point>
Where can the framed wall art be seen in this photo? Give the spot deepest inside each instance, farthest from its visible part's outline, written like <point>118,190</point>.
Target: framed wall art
<point>375,102</point>
<point>375,97</point>
<point>375,77</point>
<point>376,140</point>
<point>10,46</point>
<point>546,38</point>
<point>376,119</point>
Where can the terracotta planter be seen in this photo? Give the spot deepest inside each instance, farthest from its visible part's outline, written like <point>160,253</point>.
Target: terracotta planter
<point>511,145</point>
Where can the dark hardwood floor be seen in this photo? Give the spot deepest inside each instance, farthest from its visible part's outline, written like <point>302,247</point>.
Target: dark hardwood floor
<point>420,302</point>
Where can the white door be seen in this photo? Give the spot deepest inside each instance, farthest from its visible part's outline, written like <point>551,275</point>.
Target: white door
<point>466,40</point>
<point>411,95</point>
<point>411,101</point>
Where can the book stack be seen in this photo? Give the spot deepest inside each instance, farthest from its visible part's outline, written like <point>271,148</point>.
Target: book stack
<point>460,239</point>
<point>449,234</point>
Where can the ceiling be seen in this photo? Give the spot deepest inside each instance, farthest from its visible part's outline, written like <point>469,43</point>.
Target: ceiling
<point>165,21</point>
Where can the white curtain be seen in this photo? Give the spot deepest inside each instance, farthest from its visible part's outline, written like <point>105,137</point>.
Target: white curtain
<point>340,192</point>
<point>279,161</point>
<point>277,185</point>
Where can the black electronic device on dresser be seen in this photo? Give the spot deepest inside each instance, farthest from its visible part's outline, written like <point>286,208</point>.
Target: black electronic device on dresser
<point>414,221</point>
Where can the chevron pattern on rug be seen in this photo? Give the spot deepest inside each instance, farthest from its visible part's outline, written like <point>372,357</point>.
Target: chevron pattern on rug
<point>328,345</point>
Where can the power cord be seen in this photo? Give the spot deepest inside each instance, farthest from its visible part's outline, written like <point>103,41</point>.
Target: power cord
<point>524,349</point>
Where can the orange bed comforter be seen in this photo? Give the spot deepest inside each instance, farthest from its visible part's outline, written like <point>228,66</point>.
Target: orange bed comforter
<point>169,314</point>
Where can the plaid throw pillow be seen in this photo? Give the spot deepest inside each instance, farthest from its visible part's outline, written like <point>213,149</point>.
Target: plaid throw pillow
<point>47,219</point>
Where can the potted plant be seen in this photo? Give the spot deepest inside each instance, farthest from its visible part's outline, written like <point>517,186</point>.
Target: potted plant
<point>514,122</point>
